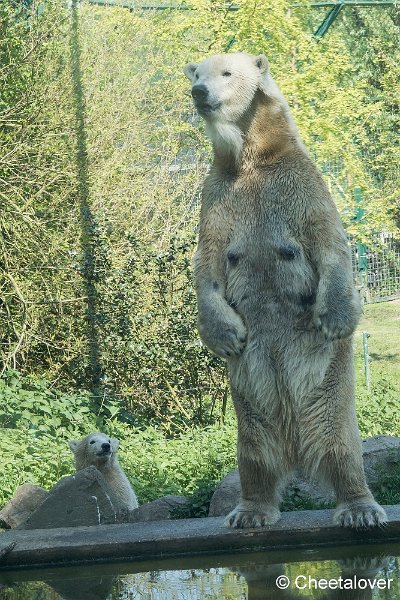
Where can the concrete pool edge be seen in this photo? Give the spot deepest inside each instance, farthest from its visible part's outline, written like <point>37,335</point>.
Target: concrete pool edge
<point>183,537</point>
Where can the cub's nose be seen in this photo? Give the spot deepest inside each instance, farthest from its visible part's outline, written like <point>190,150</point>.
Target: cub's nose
<point>199,92</point>
<point>105,447</point>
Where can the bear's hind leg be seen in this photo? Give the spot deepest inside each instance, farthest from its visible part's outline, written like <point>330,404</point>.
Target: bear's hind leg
<point>356,506</point>
<point>261,468</point>
<point>331,444</point>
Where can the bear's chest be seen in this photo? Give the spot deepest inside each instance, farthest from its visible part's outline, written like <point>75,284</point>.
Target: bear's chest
<point>265,257</point>
<point>264,207</point>
<point>254,225</point>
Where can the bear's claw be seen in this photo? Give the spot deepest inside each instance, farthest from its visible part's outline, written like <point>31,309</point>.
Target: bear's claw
<point>244,519</point>
<point>360,515</point>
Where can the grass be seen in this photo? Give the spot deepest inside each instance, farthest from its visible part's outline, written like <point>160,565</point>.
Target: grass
<point>382,322</point>
<point>378,408</point>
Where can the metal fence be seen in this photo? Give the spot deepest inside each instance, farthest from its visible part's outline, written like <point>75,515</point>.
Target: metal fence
<point>377,269</point>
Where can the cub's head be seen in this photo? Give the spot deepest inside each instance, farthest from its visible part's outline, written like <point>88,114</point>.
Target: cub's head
<point>95,449</point>
<point>224,85</point>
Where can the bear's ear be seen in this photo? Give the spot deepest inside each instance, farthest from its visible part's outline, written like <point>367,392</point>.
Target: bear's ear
<point>114,444</point>
<point>189,70</point>
<point>73,444</point>
<point>262,63</point>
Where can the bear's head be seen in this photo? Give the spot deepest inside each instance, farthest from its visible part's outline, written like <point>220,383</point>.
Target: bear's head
<point>228,91</point>
<point>95,449</point>
<point>224,85</point>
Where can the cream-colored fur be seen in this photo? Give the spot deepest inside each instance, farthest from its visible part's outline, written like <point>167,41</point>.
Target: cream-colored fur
<point>99,450</point>
<point>275,295</point>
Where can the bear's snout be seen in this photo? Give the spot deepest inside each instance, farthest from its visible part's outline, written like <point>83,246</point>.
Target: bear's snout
<point>199,92</point>
<point>105,447</point>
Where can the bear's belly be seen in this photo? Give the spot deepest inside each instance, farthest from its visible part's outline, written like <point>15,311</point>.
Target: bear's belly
<point>272,285</point>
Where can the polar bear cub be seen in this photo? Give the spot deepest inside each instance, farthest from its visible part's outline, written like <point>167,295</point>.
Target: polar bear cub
<point>99,450</point>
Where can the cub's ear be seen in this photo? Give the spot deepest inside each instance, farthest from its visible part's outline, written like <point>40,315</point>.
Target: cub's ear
<point>114,444</point>
<point>189,70</point>
<point>73,444</point>
<point>262,63</point>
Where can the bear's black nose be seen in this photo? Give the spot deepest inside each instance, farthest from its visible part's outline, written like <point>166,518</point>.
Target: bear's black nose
<point>105,447</point>
<point>199,92</point>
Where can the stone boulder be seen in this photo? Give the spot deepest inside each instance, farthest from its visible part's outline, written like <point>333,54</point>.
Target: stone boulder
<point>381,456</point>
<point>167,507</point>
<point>27,498</point>
<point>226,495</point>
<point>82,499</point>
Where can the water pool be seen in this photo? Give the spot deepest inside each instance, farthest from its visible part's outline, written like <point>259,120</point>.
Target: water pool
<point>350,572</point>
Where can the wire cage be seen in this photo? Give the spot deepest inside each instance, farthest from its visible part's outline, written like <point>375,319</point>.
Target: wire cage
<point>376,268</point>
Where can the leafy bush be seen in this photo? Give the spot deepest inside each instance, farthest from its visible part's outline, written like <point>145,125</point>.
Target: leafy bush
<point>378,409</point>
<point>102,161</point>
<point>32,405</point>
<point>37,422</point>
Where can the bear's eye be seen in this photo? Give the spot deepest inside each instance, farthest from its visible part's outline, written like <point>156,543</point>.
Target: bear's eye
<point>92,441</point>
<point>109,441</point>
<point>197,75</point>
<point>226,73</point>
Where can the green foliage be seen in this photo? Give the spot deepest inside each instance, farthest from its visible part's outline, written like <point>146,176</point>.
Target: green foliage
<point>378,409</point>
<point>31,404</point>
<point>150,350</point>
<point>387,489</point>
<point>37,422</point>
<point>101,163</point>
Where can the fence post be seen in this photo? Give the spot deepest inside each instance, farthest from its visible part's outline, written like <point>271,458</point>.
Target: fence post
<point>366,335</point>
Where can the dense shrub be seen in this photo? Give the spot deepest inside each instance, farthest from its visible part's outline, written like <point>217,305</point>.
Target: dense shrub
<point>101,163</point>
<point>37,423</point>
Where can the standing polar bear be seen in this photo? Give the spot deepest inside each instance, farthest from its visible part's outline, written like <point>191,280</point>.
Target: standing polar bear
<point>275,296</point>
<point>99,450</point>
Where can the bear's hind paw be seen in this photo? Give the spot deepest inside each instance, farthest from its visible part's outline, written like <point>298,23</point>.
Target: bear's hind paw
<point>359,515</point>
<point>241,518</point>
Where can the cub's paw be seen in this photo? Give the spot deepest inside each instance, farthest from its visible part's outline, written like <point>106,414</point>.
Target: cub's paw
<point>359,514</point>
<point>241,518</point>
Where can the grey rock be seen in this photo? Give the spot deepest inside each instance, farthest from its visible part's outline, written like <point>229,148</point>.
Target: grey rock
<point>300,488</point>
<point>226,495</point>
<point>26,499</point>
<point>167,507</point>
<point>82,499</point>
<point>381,456</point>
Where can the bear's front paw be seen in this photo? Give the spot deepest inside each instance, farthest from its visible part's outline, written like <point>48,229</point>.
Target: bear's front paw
<point>244,518</point>
<point>359,514</point>
<point>337,311</point>
<point>334,326</point>
<point>224,338</point>
<point>231,342</point>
